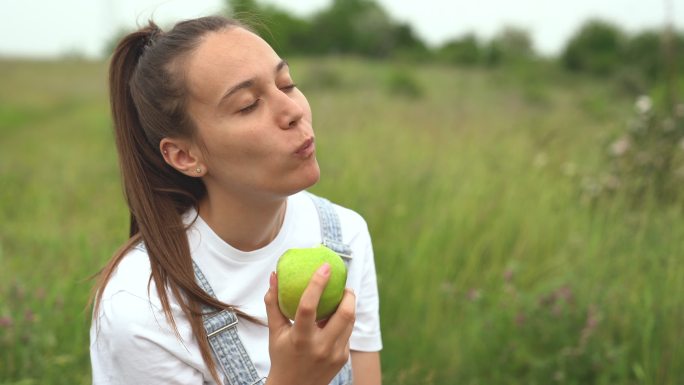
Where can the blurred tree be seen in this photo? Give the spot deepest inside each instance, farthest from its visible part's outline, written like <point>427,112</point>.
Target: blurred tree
<point>408,45</point>
<point>596,48</point>
<point>346,27</point>
<point>354,26</point>
<point>643,51</point>
<point>511,45</point>
<point>465,50</point>
<point>286,33</point>
<point>240,7</point>
<point>515,43</point>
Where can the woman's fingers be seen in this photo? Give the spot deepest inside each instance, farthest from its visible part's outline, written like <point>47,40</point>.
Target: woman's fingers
<point>305,318</point>
<point>276,319</point>
<point>341,323</point>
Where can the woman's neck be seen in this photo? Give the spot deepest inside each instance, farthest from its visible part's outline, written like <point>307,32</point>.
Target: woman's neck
<point>246,225</point>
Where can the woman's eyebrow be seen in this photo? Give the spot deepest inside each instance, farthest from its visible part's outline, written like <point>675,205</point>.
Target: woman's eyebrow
<point>240,86</point>
<point>249,82</point>
<point>281,65</point>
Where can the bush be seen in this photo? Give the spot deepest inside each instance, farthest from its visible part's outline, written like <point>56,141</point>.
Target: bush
<point>647,159</point>
<point>403,83</point>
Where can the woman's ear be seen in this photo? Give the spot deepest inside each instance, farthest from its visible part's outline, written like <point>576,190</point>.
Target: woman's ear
<point>183,156</point>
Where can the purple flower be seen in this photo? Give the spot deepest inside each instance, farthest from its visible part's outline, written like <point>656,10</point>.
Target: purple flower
<point>6,322</point>
<point>29,315</point>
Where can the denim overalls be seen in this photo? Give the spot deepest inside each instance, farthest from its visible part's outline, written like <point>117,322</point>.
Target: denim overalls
<point>221,327</point>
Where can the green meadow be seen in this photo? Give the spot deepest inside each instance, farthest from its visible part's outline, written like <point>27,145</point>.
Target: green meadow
<point>495,264</point>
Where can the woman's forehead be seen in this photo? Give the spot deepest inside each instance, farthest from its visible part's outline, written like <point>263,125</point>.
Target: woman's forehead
<point>227,57</point>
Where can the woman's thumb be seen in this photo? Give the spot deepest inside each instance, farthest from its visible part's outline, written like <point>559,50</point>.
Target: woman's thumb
<point>276,319</point>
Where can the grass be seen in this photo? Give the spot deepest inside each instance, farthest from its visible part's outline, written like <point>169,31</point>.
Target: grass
<point>492,267</point>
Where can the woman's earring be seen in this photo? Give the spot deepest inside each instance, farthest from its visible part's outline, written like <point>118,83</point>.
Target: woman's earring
<point>198,170</point>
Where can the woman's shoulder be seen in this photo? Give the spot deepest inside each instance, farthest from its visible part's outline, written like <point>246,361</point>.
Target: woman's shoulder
<point>132,275</point>
<point>353,224</point>
<point>129,300</point>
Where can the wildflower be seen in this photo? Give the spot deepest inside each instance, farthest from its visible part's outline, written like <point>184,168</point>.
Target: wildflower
<point>540,160</point>
<point>643,104</point>
<point>6,322</point>
<point>546,300</point>
<point>590,325</point>
<point>17,291</point>
<point>474,294</point>
<point>569,169</point>
<point>591,188</point>
<point>508,275</point>
<point>29,315</point>
<point>447,288</point>
<point>559,376</point>
<point>620,146</point>
<point>59,303</point>
<point>564,293</point>
<point>520,319</point>
<point>679,173</point>
<point>668,125</point>
<point>611,182</point>
<point>679,110</point>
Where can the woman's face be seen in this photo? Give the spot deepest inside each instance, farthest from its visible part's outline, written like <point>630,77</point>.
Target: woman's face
<point>255,125</point>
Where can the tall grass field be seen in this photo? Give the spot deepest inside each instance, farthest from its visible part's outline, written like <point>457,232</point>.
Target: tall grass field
<point>494,264</point>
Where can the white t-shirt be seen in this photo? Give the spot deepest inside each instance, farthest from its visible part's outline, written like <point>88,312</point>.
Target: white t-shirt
<point>134,344</point>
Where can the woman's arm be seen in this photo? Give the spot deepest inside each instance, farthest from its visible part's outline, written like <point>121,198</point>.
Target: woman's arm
<point>366,368</point>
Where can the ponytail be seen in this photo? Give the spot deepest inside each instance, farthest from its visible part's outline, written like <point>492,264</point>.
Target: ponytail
<point>147,105</point>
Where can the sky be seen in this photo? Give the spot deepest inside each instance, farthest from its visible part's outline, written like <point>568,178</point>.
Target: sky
<point>48,28</point>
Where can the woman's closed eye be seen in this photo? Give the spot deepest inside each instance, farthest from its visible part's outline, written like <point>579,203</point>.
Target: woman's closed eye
<point>288,87</point>
<point>250,107</point>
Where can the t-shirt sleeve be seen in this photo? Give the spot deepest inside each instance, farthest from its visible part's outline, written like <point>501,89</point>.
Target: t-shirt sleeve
<point>132,343</point>
<point>366,335</point>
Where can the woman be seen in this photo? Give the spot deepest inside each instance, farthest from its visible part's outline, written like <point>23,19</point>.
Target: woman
<point>216,148</point>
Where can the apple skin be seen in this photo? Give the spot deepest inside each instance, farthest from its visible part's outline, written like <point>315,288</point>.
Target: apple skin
<point>295,269</point>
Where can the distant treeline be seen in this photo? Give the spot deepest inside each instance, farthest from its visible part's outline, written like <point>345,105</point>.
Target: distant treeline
<point>363,27</point>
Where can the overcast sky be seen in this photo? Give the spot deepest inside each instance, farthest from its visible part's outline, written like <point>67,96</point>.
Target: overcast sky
<point>48,28</point>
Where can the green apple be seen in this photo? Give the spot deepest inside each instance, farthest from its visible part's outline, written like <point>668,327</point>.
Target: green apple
<point>295,269</point>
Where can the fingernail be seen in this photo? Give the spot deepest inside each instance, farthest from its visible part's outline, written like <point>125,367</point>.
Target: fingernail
<point>272,279</point>
<point>324,270</point>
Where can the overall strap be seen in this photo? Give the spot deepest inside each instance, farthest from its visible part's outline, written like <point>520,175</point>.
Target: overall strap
<point>331,235</point>
<point>221,328</point>
<point>331,230</point>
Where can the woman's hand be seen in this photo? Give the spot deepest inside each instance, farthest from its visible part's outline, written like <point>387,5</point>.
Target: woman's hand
<point>308,352</point>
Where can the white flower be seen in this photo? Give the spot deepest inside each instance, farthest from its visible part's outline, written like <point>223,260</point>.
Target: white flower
<point>540,160</point>
<point>679,110</point>
<point>611,182</point>
<point>643,104</point>
<point>569,169</point>
<point>620,146</point>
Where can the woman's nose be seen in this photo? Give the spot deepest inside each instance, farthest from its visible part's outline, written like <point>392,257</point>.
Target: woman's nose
<point>289,111</point>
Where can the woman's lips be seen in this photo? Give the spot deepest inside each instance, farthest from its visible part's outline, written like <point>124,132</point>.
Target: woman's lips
<point>306,149</point>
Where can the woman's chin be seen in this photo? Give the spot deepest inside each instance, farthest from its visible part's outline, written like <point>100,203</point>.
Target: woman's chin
<point>308,177</point>
<point>313,175</point>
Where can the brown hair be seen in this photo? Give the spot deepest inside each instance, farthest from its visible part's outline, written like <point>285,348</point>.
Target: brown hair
<point>147,95</point>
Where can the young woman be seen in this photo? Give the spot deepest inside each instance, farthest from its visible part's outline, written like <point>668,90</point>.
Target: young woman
<point>216,149</point>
